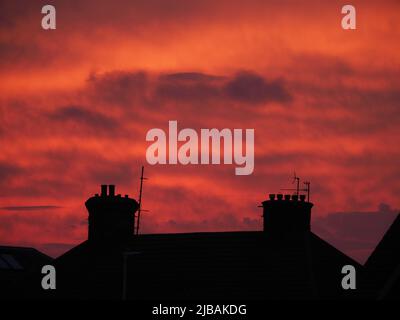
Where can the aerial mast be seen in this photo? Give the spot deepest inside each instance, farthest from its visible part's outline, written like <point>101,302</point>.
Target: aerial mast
<point>296,178</point>
<point>307,189</point>
<point>140,200</point>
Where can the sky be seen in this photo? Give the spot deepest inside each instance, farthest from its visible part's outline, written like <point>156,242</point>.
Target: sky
<point>76,104</point>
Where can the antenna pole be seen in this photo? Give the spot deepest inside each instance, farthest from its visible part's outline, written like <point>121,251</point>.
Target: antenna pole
<point>295,177</point>
<point>140,201</point>
<point>307,183</point>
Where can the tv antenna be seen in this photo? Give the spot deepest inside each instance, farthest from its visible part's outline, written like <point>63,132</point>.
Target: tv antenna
<point>140,210</point>
<point>296,178</point>
<point>307,189</point>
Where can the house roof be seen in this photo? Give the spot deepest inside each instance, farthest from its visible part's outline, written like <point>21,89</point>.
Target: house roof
<point>250,265</point>
<point>17,264</point>
<point>21,258</point>
<point>383,266</point>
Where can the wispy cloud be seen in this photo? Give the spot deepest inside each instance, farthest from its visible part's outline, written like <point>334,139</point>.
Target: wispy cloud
<point>29,208</point>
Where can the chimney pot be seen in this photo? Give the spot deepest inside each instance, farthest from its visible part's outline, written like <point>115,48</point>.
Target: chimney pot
<point>272,196</point>
<point>111,189</point>
<point>279,196</point>
<point>287,197</point>
<point>103,190</point>
<point>295,197</point>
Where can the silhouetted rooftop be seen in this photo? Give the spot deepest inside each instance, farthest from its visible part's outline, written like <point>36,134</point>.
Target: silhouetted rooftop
<point>16,265</point>
<point>383,266</point>
<point>250,265</point>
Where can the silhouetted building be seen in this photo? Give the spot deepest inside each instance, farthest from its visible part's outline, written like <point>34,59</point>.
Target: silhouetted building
<point>285,261</point>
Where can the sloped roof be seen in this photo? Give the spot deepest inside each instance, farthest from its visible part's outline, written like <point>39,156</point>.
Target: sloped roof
<point>21,258</point>
<point>250,265</point>
<point>17,264</point>
<point>383,266</point>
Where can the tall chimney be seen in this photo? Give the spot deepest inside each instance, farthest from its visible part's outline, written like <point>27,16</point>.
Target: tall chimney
<point>111,218</point>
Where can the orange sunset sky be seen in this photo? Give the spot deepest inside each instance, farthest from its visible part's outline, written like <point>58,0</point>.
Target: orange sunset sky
<point>76,104</point>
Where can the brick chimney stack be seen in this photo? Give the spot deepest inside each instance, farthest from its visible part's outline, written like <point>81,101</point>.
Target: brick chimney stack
<point>286,214</point>
<point>111,217</point>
